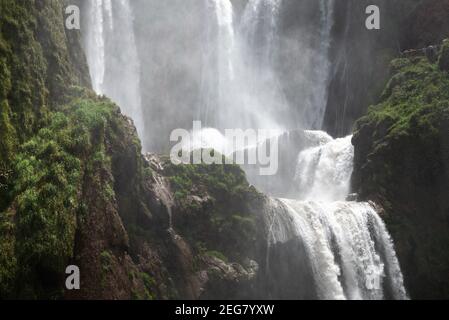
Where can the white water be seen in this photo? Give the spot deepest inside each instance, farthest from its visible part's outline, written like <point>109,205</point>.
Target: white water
<point>350,251</point>
<point>346,243</point>
<point>231,89</point>
<point>324,172</point>
<point>240,85</point>
<point>320,95</point>
<point>112,56</point>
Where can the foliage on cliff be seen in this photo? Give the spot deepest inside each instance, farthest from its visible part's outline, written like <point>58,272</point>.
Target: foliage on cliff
<point>48,179</point>
<point>220,197</point>
<point>34,69</point>
<point>75,188</point>
<point>58,148</point>
<point>220,218</point>
<point>402,162</point>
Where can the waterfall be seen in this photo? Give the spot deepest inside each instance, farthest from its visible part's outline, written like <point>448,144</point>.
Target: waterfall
<point>259,27</point>
<point>319,244</point>
<point>95,44</point>
<point>323,63</point>
<point>351,253</point>
<point>238,86</point>
<point>240,83</point>
<point>219,62</point>
<point>324,172</point>
<point>112,56</point>
<point>346,244</point>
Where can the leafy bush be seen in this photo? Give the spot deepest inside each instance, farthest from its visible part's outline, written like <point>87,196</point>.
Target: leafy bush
<point>48,177</point>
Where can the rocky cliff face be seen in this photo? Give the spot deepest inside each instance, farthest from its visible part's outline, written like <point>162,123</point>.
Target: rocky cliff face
<point>361,57</point>
<point>401,162</point>
<point>75,188</point>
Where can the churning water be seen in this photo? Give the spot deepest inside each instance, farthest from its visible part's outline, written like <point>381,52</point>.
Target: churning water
<point>343,247</point>
<point>346,243</point>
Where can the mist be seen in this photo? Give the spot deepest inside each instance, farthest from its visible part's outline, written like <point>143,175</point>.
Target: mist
<point>229,64</point>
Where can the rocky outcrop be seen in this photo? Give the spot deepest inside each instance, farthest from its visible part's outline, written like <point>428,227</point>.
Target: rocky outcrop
<point>360,57</point>
<point>75,188</point>
<point>401,162</point>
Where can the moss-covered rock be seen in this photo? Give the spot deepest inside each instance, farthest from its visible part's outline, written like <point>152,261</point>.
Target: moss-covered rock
<point>75,188</point>
<point>215,205</point>
<point>207,213</point>
<point>61,149</point>
<point>402,162</point>
<point>36,70</point>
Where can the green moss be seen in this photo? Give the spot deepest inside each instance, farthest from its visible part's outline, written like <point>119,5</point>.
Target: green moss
<point>23,54</point>
<point>48,174</point>
<point>415,96</point>
<point>149,285</point>
<point>401,162</point>
<point>217,254</point>
<point>148,282</point>
<point>8,141</point>
<point>8,261</point>
<point>106,259</point>
<point>218,199</point>
<point>217,179</point>
<point>55,138</point>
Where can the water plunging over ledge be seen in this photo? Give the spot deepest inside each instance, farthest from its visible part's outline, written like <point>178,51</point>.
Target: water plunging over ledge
<point>346,247</point>
<point>326,247</point>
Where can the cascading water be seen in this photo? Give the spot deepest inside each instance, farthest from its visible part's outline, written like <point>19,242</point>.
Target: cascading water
<point>323,64</point>
<point>346,244</point>
<point>112,56</point>
<point>237,91</point>
<point>324,247</point>
<point>95,44</point>
<point>218,57</point>
<point>240,81</point>
<point>324,172</point>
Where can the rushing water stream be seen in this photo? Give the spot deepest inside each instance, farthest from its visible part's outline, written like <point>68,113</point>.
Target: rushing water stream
<point>343,248</point>
<point>112,56</point>
<point>350,253</point>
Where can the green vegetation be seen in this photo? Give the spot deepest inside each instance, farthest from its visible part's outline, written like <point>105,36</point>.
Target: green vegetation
<point>401,157</point>
<point>218,201</point>
<point>48,175</point>
<point>409,121</point>
<point>217,254</point>
<point>58,141</point>
<point>416,96</point>
<point>106,259</point>
<point>149,285</point>
<point>8,261</point>
<point>217,179</point>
